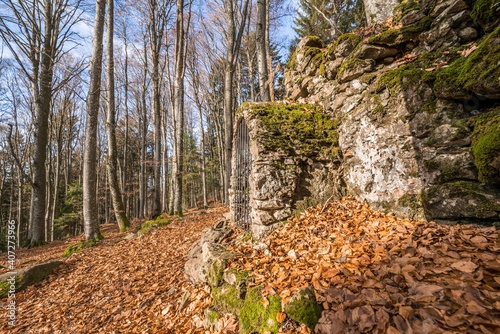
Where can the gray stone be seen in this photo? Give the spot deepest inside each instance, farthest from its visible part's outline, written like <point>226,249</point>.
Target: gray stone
<point>448,7</point>
<point>461,19</point>
<point>368,51</point>
<point>467,34</point>
<point>344,48</point>
<point>379,11</point>
<point>26,277</point>
<point>207,258</point>
<point>439,36</point>
<point>355,70</point>
<point>388,60</point>
<point>412,17</point>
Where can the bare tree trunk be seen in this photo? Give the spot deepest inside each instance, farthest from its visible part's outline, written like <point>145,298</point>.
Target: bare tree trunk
<point>178,164</point>
<point>262,49</point>
<point>156,25</point>
<point>233,43</point>
<point>144,129</point>
<point>116,196</point>
<point>90,213</point>
<point>125,144</point>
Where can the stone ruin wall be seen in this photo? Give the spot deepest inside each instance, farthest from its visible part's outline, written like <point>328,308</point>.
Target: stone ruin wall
<point>281,183</point>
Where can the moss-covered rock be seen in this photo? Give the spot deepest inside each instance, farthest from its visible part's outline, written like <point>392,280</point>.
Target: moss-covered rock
<point>405,7</point>
<point>149,225</point>
<point>486,13</point>
<point>353,68</point>
<point>393,37</point>
<point>258,313</point>
<point>78,247</point>
<point>478,73</point>
<point>26,277</point>
<point>295,129</point>
<point>303,308</point>
<point>227,298</point>
<point>460,200</point>
<point>215,271</point>
<point>486,146</point>
<point>344,45</point>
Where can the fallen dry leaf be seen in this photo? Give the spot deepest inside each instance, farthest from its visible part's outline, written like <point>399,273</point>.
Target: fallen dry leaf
<point>464,266</point>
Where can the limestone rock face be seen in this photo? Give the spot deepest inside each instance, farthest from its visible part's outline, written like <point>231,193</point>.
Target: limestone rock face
<point>414,136</point>
<point>206,258</point>
<point>378,11</point>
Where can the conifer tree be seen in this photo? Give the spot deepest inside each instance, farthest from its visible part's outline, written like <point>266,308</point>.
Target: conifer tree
<point>328,19</point>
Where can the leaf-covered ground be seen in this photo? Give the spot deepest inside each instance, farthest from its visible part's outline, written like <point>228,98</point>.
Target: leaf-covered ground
<point>375,273</point>
<point>119,286</point>
<point>372,272</point>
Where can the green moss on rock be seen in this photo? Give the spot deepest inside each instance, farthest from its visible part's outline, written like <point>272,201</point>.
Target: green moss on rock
<point>486,146</point>
<point>149,225</point>
<point>215,272</point>
<point>478,73</point>
<point>405,7</point>
<point>403,77</point>
<point>5,287</point>
<point>225,298</point>
<point>78,247</point>
<point>298,129</point>
<point>394,37</point>
<point>355,40</point>
<point>303,308</point>
<point>486,13</point>
<point>255,316</point>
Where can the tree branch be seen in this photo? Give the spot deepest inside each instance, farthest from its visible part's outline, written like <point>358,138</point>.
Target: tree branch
<point>16,158</point>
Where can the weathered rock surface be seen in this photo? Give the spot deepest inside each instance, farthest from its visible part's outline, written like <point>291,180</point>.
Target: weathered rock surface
<point>378,11</point>
<point>206,258</point>
<point>293,153</point>
<point>409,137</point>
<point>26,277</point>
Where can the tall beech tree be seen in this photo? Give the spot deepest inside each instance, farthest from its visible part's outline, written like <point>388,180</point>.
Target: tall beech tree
<point>112,165</point>
<point>233,35</point>
<point>37,32</point>
<point>90,214</point>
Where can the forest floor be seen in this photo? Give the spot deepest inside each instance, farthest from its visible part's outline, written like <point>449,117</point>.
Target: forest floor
<point>372,273</point>
<point>118,286</point>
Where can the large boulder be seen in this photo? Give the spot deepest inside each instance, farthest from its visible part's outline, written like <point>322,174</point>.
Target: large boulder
<point>207,257</point>
<point>26,277</point>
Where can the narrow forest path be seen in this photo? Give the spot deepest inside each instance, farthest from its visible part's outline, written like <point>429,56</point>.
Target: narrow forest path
<point>121,286</point>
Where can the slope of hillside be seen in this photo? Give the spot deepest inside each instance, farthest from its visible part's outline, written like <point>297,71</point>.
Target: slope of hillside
<point>119,286</point>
